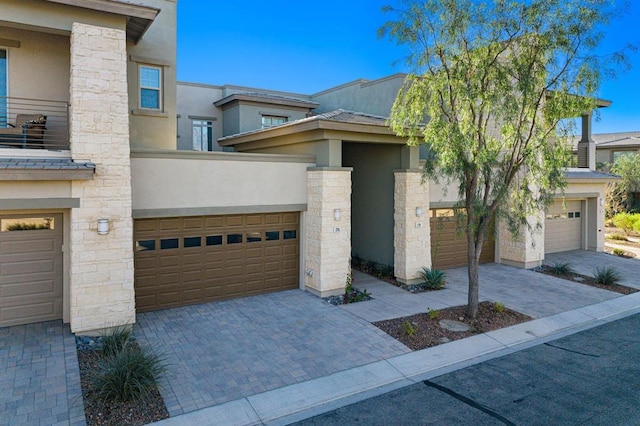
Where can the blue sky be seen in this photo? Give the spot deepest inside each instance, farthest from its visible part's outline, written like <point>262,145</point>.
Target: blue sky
<point>306,47</point>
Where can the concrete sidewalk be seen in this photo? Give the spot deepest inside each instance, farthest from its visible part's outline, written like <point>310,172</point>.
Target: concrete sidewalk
<point>560,307</point>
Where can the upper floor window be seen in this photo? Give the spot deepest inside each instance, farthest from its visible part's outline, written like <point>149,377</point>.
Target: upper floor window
<point>150,87</point>
<point>272,120</point>
<point>202,135</point>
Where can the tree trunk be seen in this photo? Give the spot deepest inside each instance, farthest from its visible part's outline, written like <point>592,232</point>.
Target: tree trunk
<point>473,259</point>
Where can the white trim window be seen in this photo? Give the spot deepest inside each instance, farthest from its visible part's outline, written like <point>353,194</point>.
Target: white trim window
<point>150,83</point>
<point>272,120</point>
<point>202,135</point>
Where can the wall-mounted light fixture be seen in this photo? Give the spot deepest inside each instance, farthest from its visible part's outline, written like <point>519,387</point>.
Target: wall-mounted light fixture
<point>103,226</point>
<point>336,214</point>
<point>601,201</point>
<point>418,211</point>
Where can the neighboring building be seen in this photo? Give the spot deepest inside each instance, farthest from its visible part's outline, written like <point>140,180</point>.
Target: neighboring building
<point>90,113</point>
<point>610,146</point>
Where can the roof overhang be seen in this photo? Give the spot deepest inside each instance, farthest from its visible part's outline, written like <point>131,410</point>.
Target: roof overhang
<point>283,101</point>
<point>139,17</point>
<point>579,175</point>
<point>311,130</point>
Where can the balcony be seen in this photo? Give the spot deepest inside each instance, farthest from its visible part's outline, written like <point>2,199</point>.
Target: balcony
<point>34,124</point>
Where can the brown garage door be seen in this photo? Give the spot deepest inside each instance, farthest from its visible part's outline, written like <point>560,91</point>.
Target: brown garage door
<point>30,268</point>
<point>188,260</point>
<point>449,248</point>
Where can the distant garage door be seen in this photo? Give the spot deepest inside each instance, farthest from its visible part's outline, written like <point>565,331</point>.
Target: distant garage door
<point>449,248</point>
<point>189,260</point>
<point>30,268</point>
<point>563,227</point>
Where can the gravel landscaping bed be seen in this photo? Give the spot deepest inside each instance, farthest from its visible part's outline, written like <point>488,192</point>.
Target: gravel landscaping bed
<point>98,412</point>
<point>430,329</point>
<point>586,279</point>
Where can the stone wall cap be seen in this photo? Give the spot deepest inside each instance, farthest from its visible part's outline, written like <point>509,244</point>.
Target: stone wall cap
<point>330,169</point>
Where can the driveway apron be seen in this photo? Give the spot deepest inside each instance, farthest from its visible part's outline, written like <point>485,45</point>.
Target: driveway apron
<point>223,351</point>
<point>39,376</point>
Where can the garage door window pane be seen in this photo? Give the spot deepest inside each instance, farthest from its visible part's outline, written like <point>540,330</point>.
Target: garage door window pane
<point>169,243</point>
<point>234,238</point>
<point>289,235</point>
<point>214,240</point>
<point>254,237</point>
<point>192,242</point>
<point>577,215</point>
<point>570,215</point>
<point>27,224</point>
<point>145,245</point>
<point>272,235</point>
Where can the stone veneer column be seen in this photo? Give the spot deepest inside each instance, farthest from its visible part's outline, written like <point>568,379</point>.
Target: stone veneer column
<point>411,234</point>
<point>102,293</point>
<point>525,251</point>
<point>328,241</point>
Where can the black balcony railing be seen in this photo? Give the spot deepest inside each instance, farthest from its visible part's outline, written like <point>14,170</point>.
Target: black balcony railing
<point>34,124</point>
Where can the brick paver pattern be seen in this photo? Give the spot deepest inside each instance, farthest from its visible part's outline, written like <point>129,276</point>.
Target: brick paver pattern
<point>219,352</point>
<point>39,376</point>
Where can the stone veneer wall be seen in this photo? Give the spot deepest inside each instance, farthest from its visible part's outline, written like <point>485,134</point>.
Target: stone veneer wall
<point>525,251</point>
<point>101,269</point>
<point>412,234</point>
<point>327,252</point>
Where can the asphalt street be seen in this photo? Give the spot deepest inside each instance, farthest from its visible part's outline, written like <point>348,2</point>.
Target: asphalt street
<point>589,378</point>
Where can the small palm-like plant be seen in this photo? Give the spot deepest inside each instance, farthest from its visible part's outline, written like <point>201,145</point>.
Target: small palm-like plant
<point>434,279</point>
<point>561,269</point>
<point>606,275</point>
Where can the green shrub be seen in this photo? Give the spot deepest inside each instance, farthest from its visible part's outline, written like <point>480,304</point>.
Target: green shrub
<point>434,279</point>
<point>409,328</point>
<point>606,275</point>
<point>433,314</point>
<point>129,375</point>
<point>619,252</point>
<point>627,222</point>
<point>617,237</point>
<point>561,269</point>
<point>498,307</point>
<point>114,341</point>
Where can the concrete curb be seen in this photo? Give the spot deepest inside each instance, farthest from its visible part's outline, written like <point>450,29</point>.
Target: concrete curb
<point>307,399</point>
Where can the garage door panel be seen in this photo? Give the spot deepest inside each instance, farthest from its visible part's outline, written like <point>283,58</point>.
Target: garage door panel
<point>30,269</point>
<point>563,227</point>
<point>237,256</point>
<point>450,247</point>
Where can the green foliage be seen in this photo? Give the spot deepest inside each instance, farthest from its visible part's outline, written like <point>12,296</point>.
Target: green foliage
<point>433,314</point>
<point>627,222</point>
<point>409,328</point>
<point>497,81</point>
<point>434,279</point>
<point>561,269</point>
<point>27,226</point>
<point>617,237</point>
<point>606,275</point>
<point>621,196</point>
<point>498,307</point>
<point>128,375</point>
<point>351,294</point>
<point>619,252</point>
<point>114,341</point>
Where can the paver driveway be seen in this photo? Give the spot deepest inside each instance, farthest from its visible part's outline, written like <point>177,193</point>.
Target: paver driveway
<point>223,351</point>
<point>585,262</point>
<point>39,376</point>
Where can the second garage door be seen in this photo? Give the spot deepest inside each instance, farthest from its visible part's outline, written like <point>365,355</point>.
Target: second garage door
<point>188,260</point>
<point>448,249</point>
<point>563,227</point>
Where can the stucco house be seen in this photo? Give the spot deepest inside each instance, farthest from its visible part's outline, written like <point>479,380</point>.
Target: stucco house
<point>123,191</point>
<point>610,146</point>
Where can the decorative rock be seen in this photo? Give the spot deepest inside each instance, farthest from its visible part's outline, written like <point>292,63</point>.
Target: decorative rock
<point>444,340</point>
<point>578,279</point>
<point>452,325</point>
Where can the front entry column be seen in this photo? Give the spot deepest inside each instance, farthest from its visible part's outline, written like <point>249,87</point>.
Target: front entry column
<point>328,230</point>
<point>412,233</point>
<point>525,250</point>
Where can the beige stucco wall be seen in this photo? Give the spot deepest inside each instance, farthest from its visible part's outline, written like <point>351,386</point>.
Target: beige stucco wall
<point>157,47</point>
<point>41,58</point>
<point>196,100</point>
<point>34,189</point>
<point>190,180</point>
